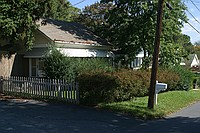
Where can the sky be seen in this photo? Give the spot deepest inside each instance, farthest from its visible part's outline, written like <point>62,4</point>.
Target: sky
<point>188,30</point>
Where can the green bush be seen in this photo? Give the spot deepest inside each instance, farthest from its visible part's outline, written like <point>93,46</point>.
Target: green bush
<point>85,65</point>
<point>58,66</point>
<point>111,87</point>
<point>196,80</point>
<point>121,85</point>
<point>169,77</point>
<point>95,88</point>
<point>185,77</point>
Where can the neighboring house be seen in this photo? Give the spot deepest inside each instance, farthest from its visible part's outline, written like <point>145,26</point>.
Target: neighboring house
<point>137,62</point>
<point>191,61</point>
<point>72,39</point>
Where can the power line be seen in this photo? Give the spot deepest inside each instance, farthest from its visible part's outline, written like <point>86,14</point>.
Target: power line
<point>193,27</point>
<point>192,15</point>
<point>195,5</point>
<point>79,2</point>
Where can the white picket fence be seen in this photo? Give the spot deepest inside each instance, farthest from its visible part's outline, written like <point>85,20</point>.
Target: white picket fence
<point>41,88</point>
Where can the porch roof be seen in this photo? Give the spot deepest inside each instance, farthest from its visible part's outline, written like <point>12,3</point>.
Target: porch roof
<point>36,53</point>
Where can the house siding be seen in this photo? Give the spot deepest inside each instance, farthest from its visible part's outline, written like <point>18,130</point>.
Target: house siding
<point>20,66</point>
<point>40,38</point>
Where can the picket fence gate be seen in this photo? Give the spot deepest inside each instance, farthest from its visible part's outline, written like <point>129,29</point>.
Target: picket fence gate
<point>42,88</point>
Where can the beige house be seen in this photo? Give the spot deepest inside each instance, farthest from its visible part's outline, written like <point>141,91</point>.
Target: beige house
<point>72,39</point>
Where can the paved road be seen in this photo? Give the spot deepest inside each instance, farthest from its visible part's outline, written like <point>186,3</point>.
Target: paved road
<point>30,116</point>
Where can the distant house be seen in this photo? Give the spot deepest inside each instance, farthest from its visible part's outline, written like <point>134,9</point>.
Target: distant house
<point>137,62</point>
<point>191,61</point>
<point>72,39</point>
<point>134,64</point>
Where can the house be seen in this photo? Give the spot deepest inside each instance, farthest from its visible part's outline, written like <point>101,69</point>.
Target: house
<point>191,61</point>
<point>136,63</point>
<point>72,39</point>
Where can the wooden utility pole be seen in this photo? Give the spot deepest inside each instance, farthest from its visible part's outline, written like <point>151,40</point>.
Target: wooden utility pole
<point>155,56</point>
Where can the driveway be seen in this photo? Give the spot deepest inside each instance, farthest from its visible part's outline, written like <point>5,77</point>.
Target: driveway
<point>29,116</point>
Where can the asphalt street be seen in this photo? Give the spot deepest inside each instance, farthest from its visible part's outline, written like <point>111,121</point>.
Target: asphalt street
<point>29,116</point>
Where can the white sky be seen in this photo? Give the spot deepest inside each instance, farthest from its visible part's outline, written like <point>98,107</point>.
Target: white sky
<point>186,30</point>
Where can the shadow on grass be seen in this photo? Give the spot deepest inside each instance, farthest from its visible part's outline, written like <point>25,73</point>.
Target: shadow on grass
<point>137,111</point>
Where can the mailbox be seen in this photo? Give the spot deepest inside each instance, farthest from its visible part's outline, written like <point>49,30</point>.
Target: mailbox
<point>159,87</point>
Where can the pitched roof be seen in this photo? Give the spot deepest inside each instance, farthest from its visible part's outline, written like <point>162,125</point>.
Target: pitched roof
<point>190,59</point>
<point>69,32</point>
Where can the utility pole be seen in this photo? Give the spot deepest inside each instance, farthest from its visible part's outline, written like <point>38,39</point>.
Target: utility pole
<point>155,56</point>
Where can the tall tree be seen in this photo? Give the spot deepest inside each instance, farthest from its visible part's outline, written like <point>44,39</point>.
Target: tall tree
<point>197,43</point>
<point>197,50</point>
<point>62,10</point>
<point>18,17</point>
<point>130,26</point>
<point>94,17</point>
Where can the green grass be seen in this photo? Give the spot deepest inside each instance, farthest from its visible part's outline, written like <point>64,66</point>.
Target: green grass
<point>168,102</point>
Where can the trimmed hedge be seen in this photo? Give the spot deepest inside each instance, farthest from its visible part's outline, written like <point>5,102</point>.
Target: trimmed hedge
<point>169,77</point>
<point>120,85</point>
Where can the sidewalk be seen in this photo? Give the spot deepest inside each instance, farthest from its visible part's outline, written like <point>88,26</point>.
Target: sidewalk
<point>30,116</point>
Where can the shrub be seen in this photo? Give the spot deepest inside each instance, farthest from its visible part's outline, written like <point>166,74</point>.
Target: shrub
<point>185,77</point>
<point>120,85</point>
<point>111,87</point>
<point>95,88</point>
<point>58,66</point>
<point>93,65</point>
<point>169,77</point>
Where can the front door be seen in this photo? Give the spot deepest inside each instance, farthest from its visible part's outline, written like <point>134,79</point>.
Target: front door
<point>36,67</point>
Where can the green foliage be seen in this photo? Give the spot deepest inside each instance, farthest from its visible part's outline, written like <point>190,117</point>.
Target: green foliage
<point>57,66</point>
<point>93,65</point>
<point>18,17</point>
<point>185,77</point>
<point>172,54</point>
<point>184,40</point>
<point>62,10</point>
<point>127,84</point>
<point>130,27</point>
<point>93,17</point>
<point>197,50</point>
<point>169,77</point>
<point>120,85</point>
<point>95,88</point>
<point>107,87</point>
<point>197,77</point>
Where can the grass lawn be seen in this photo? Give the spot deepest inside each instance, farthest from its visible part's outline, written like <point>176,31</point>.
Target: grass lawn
<point>168,102</point>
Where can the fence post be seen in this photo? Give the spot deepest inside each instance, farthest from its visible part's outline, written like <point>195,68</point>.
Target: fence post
<point>1,84</point>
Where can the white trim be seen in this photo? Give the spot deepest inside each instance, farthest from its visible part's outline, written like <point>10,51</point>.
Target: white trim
<point>85,52</point>
<point>81,46</point>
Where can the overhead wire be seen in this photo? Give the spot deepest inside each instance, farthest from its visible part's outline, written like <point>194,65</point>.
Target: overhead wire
<point>192,15</point>
<point>79,2</point>
<point>194,19</point>
<point>193,27</point>
<point>195,5</point>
